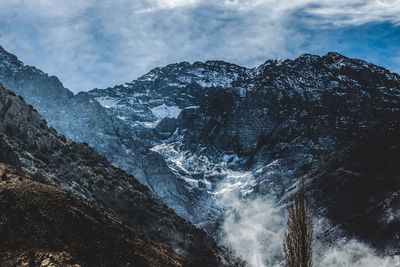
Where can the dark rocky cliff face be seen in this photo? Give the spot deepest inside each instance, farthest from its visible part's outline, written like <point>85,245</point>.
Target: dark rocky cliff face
<point>196,133</point>
<point>359,184</point>
<point>50,158</point>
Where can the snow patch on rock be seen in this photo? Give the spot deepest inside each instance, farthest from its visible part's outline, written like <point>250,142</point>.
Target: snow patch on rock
<point>164,111</point>
<point>107,102</point>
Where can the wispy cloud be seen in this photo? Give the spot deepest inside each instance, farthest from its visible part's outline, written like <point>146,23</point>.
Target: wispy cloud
<point>98,43</point>
<point>345,13</point>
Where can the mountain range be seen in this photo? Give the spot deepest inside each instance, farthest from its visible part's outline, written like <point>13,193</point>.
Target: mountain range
<point>204,136</point>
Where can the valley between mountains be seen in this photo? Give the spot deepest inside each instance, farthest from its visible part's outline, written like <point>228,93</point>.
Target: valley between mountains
<point>221,148</point>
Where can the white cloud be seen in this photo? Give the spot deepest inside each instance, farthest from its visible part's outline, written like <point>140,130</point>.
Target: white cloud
<point>170,4</point>
<point>99,43</point>
<point>345,253</point>
<point>254,230</point>
<point>344,13</point>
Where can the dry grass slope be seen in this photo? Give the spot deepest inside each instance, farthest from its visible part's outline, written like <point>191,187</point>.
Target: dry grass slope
<point>43,226</point>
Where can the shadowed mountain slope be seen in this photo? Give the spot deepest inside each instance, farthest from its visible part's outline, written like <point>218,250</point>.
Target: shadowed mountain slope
<point>50,158</point>
<point>359,186</point>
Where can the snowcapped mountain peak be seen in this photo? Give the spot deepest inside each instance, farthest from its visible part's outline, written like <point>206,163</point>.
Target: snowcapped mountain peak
<point>206,74</point>
<point>335,55</point>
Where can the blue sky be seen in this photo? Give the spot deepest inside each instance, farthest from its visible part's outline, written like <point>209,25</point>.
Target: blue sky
<point>101,43</point>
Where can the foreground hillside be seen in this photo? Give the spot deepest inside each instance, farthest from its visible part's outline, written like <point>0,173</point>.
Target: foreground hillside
<point>50,158</point>
<point>43,226</point>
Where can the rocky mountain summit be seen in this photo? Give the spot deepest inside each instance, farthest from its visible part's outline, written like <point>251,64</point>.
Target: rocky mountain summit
<point>203,135</point>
